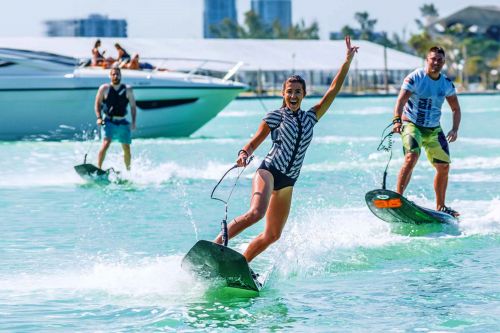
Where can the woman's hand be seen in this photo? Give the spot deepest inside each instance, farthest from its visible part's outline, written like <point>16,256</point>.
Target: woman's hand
<point>242,158</point>
<point>351,50</point>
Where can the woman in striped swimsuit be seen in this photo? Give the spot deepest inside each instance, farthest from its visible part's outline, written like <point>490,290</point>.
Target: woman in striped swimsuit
<point>291,131</point>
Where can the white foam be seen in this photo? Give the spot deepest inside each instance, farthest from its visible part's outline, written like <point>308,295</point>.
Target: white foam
<point>310,238</point>
<point>376,160</point>
<point>329,139</point>
<point>161,279</point>
<point>481,141</point>
<point>180,142</point>
<point>373,110</point>
<point>241,113</point>
<point>145,173</point>
<point>479,217</point>
<point>474,177</point>
<point>314,238</point>
<point>476,162</point>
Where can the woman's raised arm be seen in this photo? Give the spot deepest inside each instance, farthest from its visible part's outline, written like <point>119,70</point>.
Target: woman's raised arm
<point>337,82</point>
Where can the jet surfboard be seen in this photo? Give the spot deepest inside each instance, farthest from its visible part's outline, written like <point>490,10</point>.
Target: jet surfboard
<point>214,261</point>
<point>91,172</point>
<point>392,207</point>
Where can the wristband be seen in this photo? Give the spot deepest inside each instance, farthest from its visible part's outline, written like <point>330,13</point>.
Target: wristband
<point>396,120</point>
<point>242,151</point>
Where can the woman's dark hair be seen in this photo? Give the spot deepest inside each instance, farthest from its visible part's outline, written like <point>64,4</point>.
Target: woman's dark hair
<point>97,42</point>
<point>293,79</point>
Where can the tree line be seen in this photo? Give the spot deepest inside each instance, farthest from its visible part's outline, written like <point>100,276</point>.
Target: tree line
<point>471,57</point>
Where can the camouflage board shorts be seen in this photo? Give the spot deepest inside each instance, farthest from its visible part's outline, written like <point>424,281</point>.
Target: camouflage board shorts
<point>432,139</point>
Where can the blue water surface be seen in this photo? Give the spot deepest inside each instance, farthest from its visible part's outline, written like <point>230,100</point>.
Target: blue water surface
<point>86,257</point>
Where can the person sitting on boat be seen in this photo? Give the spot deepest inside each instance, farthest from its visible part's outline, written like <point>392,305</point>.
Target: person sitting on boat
<point>291,130</point>
<point>123,56</point>
<point>133,63</point>
<point>97,56</point>
<point>111,104</point>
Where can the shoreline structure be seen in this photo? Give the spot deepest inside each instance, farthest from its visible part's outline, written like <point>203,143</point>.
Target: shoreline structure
<point>378,71</point>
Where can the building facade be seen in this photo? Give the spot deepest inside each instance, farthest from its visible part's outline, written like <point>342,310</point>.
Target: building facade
<point>274,10</point>
<point>215,12</point>
<point>93,26</point>
<point>476,21</point>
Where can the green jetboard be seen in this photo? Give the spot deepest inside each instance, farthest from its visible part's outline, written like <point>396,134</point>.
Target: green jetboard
<point>390,206</point>
<point>214,261</point>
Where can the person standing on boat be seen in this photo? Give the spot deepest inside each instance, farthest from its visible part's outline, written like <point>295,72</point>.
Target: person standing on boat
<point>291,130</point>
<point>111,110</point>
<point>417,117</point>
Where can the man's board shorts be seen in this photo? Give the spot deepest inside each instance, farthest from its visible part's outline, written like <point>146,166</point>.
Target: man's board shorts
<point>431,138</point>
<point>117,130</point>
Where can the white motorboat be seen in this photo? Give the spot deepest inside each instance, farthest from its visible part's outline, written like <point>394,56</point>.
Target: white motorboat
<point>47,96</point>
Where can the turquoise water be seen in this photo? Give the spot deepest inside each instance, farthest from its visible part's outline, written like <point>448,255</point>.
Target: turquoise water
<point>87,257</point>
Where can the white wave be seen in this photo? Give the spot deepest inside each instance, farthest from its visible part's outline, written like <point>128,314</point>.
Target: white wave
<point>375,160</point>
<point>146,173</point>
<point>343,139</point>
<point>313,238</point>
<point>39,173</point>
<point>475,163</point>
<point>474,177</point>
<point>374,110</point>
<point>158,279</point>
<point>481,141</point>
<point>241,113</point>
<point>180,142</point>
<point>478,217</point>
<point>480,109</point>
<point>39,179</point>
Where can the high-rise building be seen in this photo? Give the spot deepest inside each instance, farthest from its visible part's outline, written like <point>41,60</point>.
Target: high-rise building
<point>271,10</point>
<point>215,12</point>
<point>93,26</point>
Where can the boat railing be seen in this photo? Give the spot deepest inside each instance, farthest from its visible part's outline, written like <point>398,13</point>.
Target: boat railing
<point>192,66</point>
<point>34,61</point>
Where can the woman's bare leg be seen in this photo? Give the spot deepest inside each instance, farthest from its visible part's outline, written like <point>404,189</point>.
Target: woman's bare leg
<point>277,215</point>
<point>262,187</point>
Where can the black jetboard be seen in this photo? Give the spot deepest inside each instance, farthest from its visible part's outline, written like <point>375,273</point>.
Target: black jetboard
<point>390,206</point>
<point>214,261</point>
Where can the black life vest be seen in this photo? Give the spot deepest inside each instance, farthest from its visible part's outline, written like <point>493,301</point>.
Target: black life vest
<point>115,103</point>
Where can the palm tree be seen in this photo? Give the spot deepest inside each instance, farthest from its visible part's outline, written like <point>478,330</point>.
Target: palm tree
<point>367,25</point>
<point>429,13</point>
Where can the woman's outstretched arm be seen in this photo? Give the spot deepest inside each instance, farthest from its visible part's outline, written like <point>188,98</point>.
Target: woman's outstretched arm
<point>261,134</point>
<point>337,82</point>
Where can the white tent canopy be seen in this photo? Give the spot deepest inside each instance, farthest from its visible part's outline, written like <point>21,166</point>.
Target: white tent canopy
<point>257,55</point>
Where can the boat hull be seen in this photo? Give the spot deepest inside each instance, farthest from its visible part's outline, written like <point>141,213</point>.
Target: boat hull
<point>68,113</point>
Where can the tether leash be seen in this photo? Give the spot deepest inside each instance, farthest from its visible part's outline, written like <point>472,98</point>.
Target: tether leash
<point>94,129</point>
<point>225,237</point>
<point>386,145</point>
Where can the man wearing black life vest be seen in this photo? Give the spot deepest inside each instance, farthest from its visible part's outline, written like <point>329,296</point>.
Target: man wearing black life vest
<point>111,110</point>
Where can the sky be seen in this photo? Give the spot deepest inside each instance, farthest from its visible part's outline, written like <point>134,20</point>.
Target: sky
<point>184,18</point>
